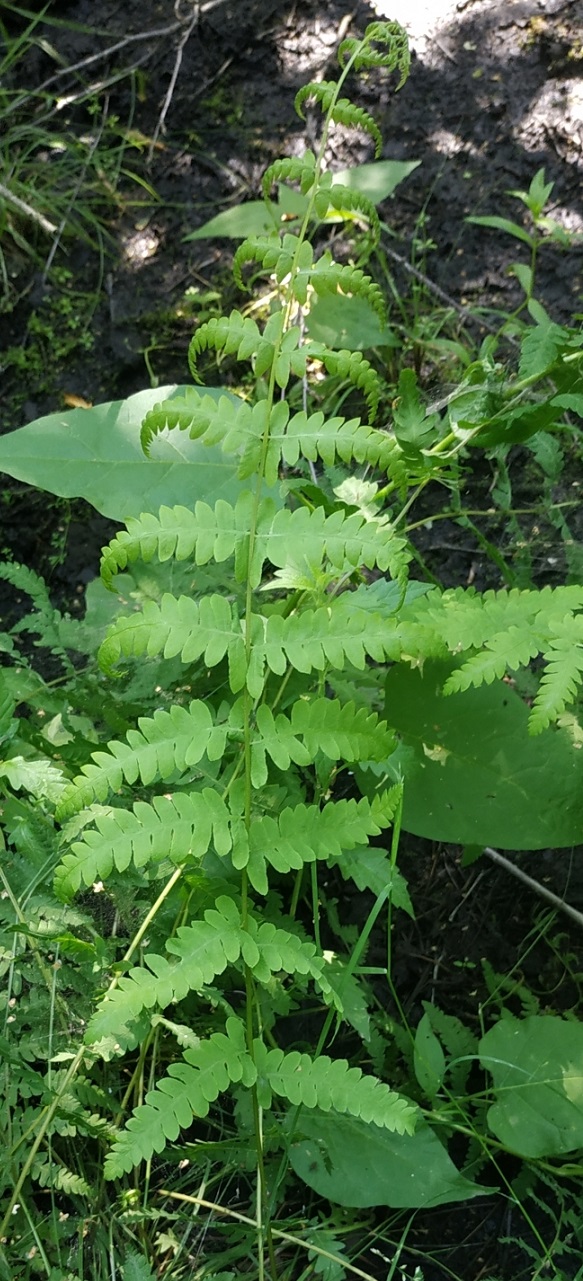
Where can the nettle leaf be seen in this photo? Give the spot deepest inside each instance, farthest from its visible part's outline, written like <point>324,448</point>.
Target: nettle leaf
<point>330,1084</point>
<point>540,348</point>
<point>171,827</point>
<point>501,786</point>
<point>96,454</point>
<point>165,745</point>
<point>188,1090</point>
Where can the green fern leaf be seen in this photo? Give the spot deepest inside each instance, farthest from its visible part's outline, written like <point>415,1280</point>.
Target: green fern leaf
<point>512,649</point>
<point>331,635</point>
<point>304,833</point>
<point>166,744</point>
<point>177,625</point>
<point>230,423</point>
<point>300,169</point>
<point>172,827</point>
<point>282,537</point>
<point>341,110</point>
<point>327,277</point>
<point>349,440</point>
<point>188,1090</point>
<point>353,366</point>
<point>275,255</point>
<point>235,335</point>
<point>330,1084</point>
<point>395,56</point>
<point>341,731</point>
<point>203,950</point>
<point>562,676</point>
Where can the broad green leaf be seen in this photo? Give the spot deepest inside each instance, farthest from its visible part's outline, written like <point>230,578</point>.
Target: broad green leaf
<point>377,180</point>
<point>502,224</point>
<point>96,454</point>
<point>537,1067</point>
<point>238,222</point>
<point>473,774</point>
<point>428,1058</point>
<point>358,1164</point>
<point>343,322</point>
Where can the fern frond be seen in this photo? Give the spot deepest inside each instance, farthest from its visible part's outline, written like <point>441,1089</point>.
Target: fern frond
<point>341,731</point>
<point>166,744</point>
<point>509,649</point>
<point>227,422</point>
<point>300,169</point>
<point>171,827</point>
<point>324,725</point>
<point>349,440</point>
<point>563,674</point>
<point>283,537</point>
<point>330,1084</point>
<point>210,628</point>
<point>275,255</point>
<point>177,625</point>
<point>188,1090</point>
<point>328,636</point>
<point>234,335</point>
<point>395,56</point>
<point>354,366</point>
<point>203,950</point>
<point>327,276</point>
<point>341,111</point>
<point>305,833</point>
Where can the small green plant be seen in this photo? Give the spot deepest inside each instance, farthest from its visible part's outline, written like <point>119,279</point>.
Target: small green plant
<point>543,229</point>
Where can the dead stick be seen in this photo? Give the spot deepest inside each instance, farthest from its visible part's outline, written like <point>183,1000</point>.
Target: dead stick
<point>535,886</point>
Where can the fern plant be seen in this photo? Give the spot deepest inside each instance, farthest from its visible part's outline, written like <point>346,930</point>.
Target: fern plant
<point>230,799</point>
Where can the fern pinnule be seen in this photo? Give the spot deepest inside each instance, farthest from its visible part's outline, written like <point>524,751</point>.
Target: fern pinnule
<point>188,1090</point>
<point>164,746</point>
<point>178,828</point>
<point>235,335</point>
<point>330,1084</point>
<point>300,169</point>
<point>340,110</point>
<point>354,366</point>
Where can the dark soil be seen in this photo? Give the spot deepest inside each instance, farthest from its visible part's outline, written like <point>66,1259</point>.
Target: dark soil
<point>497,95</point>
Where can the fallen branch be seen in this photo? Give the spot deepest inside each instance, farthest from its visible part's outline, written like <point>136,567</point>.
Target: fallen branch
<point>535,886</point>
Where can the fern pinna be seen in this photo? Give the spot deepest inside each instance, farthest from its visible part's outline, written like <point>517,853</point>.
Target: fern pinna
<point>235,795</point>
